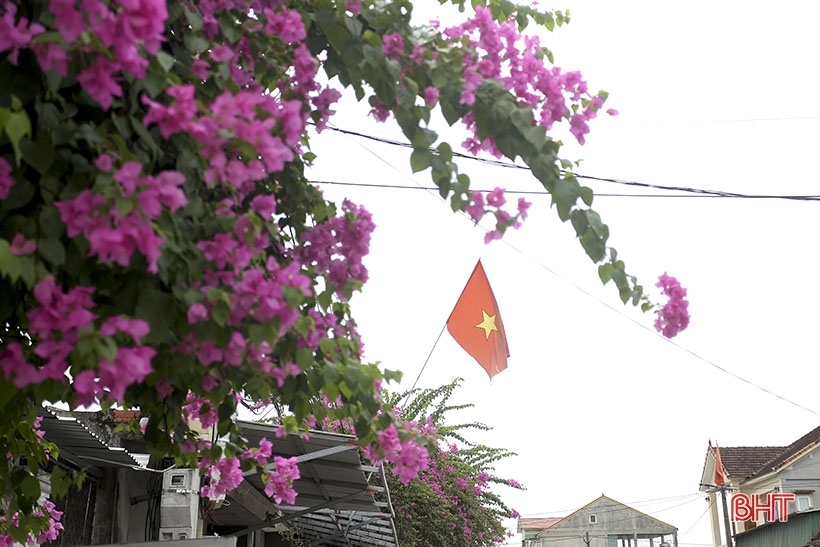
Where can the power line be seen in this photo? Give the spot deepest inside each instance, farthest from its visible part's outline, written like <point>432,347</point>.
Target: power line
<point>687,190</point>
<point>587,293</point>
<point>692,194</point>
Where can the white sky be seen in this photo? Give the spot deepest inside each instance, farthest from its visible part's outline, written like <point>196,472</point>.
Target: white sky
<point>715,95</point>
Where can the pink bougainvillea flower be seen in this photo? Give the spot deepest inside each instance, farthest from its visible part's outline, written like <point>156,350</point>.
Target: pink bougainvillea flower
<point>279,484</point>
<point>476,206</point>
<point>6,180</point>
<point>674,316</point>
<point>20,246</point>
<point>392,45</point>
<point>98,80</point>
<point>496,197</point>
<point>14,36</point>
<point>431,95</point>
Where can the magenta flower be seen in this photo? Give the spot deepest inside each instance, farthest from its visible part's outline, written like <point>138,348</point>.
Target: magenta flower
<point>279,482</point>
<point>18,35</point>
<point>353,6</point>
<point>674,316</point>
<point>523,206</point>
<point>20,246</point>
<point>431,95</point>
<point>6,180</point>
<point>392,45</point>
<point>496,198</point>
<point>476,206</point>
<point>99,82</point>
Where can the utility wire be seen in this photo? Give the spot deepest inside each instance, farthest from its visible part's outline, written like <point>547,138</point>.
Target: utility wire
<point>590,295</point>
<point>692,193</point>
<point>698,191</point>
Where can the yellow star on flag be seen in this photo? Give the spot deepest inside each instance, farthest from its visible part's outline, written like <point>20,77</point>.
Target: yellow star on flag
<point>488,324</point>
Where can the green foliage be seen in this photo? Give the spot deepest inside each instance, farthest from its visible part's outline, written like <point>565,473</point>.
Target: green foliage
<point>454,502</point>
<point>53,133</point>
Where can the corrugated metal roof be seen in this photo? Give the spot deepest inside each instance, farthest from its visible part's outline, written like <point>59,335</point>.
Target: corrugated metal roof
<point>81,446</point>
<point>336,501</point>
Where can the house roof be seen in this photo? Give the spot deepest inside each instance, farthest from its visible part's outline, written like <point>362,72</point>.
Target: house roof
<point>792,452</point>
<point>748,462</point>
<point>537,523</point>
<point>80,445</point>
<point>606,501</point>
<point>336,503</point>
<point>744,462</point>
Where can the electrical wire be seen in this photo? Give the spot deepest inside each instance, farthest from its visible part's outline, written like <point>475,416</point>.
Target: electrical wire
<point>590,295</point>
<point>689,190</point>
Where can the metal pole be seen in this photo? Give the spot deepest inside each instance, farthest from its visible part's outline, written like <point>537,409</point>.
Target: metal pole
<point>726,524</point>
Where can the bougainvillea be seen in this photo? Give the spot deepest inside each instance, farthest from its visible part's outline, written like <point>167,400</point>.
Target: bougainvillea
<point>160,246</point>
<point>673,317</point>
<point>457,499</point>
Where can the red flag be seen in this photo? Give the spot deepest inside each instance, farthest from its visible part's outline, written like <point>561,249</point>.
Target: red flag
<point>720,472</point>
<point>476,325</point>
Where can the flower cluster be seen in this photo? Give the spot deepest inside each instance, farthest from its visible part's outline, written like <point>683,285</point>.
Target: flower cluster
<point>480,205</point>
<point>673,317</point>
<point>496,50</point>
<point>6,180</point>
<point>49,533</point>
<point>114,235</point>
<point>271,125</point>
<point>336,247</point>
<point>407,457</point>
<point>279,481</point>
<point>223,476</point>
<point>125,28</point>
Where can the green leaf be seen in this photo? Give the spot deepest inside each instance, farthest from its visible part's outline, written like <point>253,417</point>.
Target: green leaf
<point>52,251</point>
<point>420,159</point>
<point>586,196</point>
<point>17,126</point>
<point>9,264</point>
<point>166,60</point>
<point>445,151</point>
<point>30,488</point>
<point>194,19</point>
<point>21,194</point>
<point>605,272</point>
<point>195,43</point>
<point>220,313</point>
<point>38,156</point>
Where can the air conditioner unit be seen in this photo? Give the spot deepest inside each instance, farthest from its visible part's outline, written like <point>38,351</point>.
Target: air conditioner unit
<point>179,507</point>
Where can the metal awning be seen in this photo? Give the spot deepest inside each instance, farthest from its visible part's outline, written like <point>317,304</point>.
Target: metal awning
<point>335,503</point>
<point>80,446</point>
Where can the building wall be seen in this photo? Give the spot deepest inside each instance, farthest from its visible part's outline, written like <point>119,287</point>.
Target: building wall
<point>610,519</point>
<point>803,478</point>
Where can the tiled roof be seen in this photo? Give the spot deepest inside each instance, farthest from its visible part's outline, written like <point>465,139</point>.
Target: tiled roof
<point>537,523</point>
<point>810,439</point>
<point>745,462</point>
<point>742,462</point>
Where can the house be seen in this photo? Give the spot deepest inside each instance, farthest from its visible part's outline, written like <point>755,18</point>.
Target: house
<point>128,498</point>
<point>760,471</point>
<point>603,522</point>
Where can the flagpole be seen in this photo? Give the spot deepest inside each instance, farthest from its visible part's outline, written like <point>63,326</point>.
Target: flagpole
<point>426,360</point>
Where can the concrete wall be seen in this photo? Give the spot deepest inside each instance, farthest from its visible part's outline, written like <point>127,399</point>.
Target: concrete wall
<point>803,476</point>
<point>610,519</point>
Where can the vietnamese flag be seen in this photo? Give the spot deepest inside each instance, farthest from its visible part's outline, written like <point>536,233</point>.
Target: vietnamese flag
<point>476,324</point>
<point>720,472</point>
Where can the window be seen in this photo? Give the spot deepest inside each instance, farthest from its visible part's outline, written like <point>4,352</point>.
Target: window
<point>593,519</point>
<point>803,503</point>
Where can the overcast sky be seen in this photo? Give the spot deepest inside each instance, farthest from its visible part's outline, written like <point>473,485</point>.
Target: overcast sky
<point>718,96</point>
